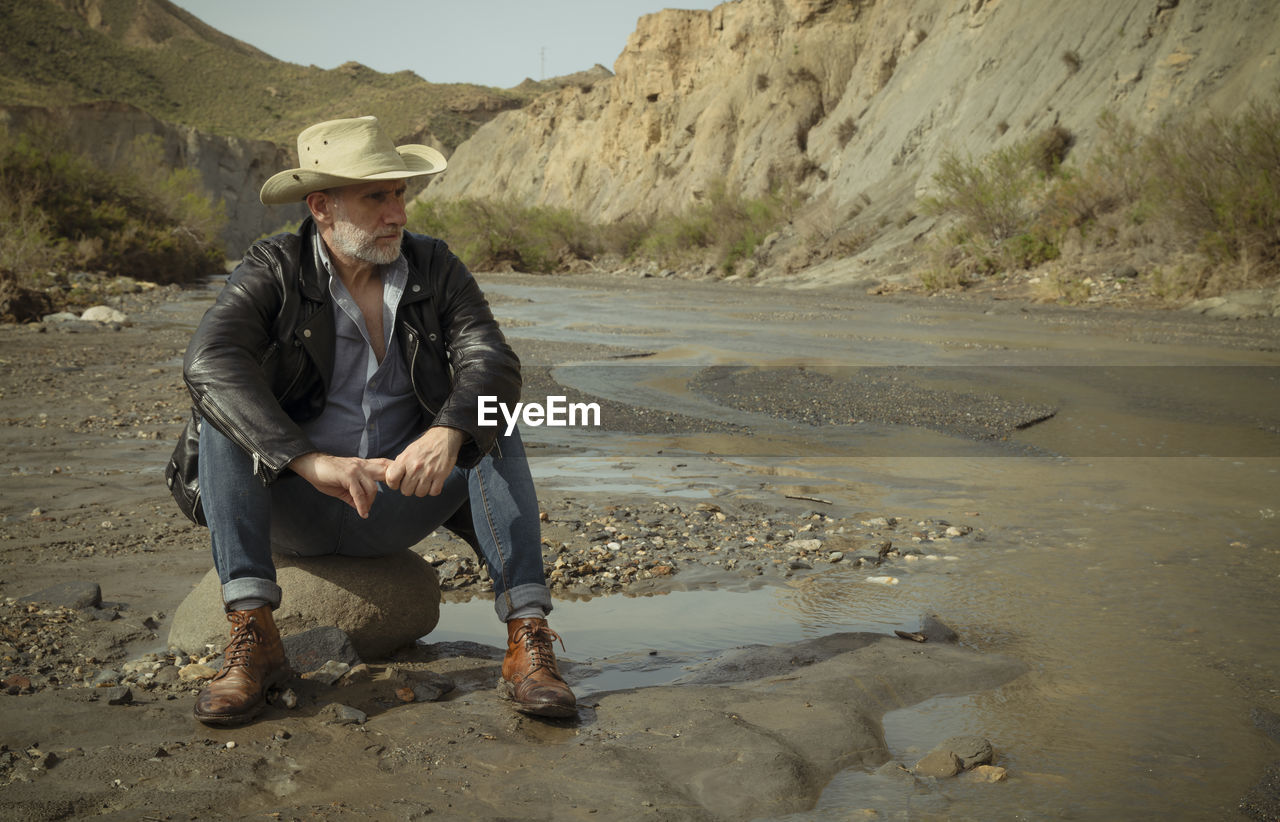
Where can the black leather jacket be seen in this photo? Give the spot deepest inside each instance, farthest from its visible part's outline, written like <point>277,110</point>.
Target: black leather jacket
<point>261,360</point>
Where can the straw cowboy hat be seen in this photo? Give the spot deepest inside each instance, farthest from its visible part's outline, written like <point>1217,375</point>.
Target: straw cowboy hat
<point>343,152</point>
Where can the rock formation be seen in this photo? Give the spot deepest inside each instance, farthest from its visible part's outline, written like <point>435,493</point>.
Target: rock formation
<point>852,104</point>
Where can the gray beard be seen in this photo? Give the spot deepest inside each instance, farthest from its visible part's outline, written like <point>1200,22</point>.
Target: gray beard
<point>351,241</point>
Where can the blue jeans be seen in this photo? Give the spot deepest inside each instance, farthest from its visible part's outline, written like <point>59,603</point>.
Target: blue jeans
<point>248,519</point>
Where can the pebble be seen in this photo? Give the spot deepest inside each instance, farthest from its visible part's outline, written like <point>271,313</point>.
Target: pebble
<point>339,714</point>
<point>883,580</point>
<point>195,672</point>
<point>328,673</point>
<point>119,695</point>
<point>990,773</point>
<point>835,556</point>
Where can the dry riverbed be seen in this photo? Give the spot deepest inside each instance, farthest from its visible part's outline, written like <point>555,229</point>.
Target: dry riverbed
<point>96,710</point>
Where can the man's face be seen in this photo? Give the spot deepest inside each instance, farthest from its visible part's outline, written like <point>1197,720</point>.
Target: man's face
<point>368,220</point>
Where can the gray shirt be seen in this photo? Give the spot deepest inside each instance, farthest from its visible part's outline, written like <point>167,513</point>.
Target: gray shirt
<point>371,410</point>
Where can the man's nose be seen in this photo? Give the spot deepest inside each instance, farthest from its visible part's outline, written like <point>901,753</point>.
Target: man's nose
<point>395,213</point>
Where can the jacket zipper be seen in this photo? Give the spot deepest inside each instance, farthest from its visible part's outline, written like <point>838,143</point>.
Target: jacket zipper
<point>211,411</point>
<point>413,372</point>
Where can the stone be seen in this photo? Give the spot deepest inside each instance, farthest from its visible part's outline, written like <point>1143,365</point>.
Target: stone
<point>935,630</point>
<point>970,750</point>
<point>103,314</point>
<point>938,764</point>
<point>196,672</point>
<point>60,317</point>
<point>311,649</point>
<point>381,603</point>
<point>119,695</point>
<point>803,545</point>
<point>70,594</point>
<point>328,673</point>
<point>337,714</point>
<point>990,773</point>
<point>1239,305</point>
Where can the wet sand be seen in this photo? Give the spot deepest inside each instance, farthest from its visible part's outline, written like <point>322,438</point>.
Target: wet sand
<point>1121,550</point>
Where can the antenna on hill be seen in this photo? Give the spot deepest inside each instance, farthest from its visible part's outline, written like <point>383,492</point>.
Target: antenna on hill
<point>543,52</point>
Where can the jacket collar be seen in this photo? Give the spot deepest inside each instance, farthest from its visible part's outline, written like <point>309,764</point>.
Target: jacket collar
<point>314,281</point>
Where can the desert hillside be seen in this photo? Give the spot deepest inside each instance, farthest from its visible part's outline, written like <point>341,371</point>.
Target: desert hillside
<point>855,104</point>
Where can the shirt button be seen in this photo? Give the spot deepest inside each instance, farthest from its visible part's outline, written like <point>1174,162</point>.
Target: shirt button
<point>306,333</point>
<point>417,288</point>
<point>431,336</point>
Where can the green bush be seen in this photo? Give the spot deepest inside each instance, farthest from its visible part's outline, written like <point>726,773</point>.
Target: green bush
<point>490,235</point>
<point>63,211</point>
<point>1216,183</point>
<point>723,230</point>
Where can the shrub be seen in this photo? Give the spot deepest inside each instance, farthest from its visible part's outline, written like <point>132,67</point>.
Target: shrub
<point>1216,184</point>
<point>140,220</point>
<point>489,235</point>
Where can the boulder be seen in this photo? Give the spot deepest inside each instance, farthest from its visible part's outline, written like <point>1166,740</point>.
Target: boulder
<point>382,604</point>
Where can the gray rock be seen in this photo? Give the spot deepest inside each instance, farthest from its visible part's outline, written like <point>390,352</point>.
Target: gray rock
<point>382,604</point>
<point>938,764</point>
<point>311,649</point>
<point>970,750</point>
<point>119,695</point>
<point>1240,305</point>
<point>337,714</point>
<point>106,677</point>
<point>935,630</point>
<point>1125,272</point>
<point>328,673</point>
<point>428,687</point>
<point>68,595</point>
<point>60,317</point>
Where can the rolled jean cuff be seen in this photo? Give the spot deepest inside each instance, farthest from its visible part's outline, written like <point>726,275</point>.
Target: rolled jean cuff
<point>521,596</point>
<point>251,588</point>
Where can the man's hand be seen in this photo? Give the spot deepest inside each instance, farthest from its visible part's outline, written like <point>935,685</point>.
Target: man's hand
<point>422,468</point>
<point>350,479</point>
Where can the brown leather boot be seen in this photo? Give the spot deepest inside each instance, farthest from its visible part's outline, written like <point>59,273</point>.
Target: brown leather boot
<point>253,662</point>
<point>530,677</point>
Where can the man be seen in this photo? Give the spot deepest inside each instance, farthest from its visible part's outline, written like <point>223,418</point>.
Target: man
<point>336,384</point>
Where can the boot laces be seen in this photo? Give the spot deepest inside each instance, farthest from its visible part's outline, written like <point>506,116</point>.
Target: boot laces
<point>539,642</point>
<point>244,636</point>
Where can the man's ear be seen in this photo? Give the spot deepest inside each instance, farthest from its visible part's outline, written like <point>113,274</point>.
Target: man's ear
<point>321,205</point>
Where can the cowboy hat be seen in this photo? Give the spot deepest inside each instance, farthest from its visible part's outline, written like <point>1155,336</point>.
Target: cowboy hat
<point>343,152</point>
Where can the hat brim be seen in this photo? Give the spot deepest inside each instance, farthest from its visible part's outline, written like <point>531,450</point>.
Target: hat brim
<point>295,184</point>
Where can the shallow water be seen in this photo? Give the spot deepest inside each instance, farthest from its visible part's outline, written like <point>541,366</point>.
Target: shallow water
<point>1132,551</point>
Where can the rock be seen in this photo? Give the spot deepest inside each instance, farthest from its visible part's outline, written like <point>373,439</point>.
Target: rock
<point>311,649</point>
<point>119,695</point>
<point>106,677</point>
<point>990,773</point>
<point>328,673</point>
<point>1124,272</point>
<point>103,314</point>
<point>68,595</point>
<point>935,630</point>
<point>938,764</point>
<point>196,672</point>
<point>337,714</point>
<point>382,604</point>
<point>970,750</point>
<point>883,580</point>
<point>835,556</point>
<point>60,317</point>
<point>1239,305</point>
<point>803,545</point>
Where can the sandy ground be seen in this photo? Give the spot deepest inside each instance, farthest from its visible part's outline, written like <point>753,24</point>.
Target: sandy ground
<point>89,414</point>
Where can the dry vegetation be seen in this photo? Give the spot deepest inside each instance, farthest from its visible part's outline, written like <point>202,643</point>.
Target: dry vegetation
<point>1196,202</point>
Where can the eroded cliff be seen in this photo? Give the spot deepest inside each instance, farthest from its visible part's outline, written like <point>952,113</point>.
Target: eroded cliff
<point>853,103</point>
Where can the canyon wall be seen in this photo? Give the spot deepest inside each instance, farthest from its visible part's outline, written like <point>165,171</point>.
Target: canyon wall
<point>852,103</point>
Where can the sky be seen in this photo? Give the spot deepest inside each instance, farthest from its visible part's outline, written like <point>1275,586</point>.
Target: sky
<point>490,42</point>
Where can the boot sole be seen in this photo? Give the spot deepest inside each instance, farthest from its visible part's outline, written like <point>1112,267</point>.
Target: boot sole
<point>225,720</point>
<point>508,692</point>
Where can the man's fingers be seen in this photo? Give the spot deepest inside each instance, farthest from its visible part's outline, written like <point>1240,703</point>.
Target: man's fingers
<point>394,474</point>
